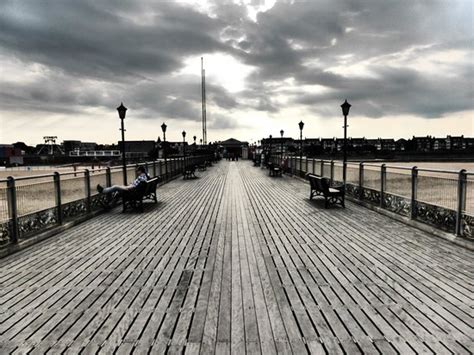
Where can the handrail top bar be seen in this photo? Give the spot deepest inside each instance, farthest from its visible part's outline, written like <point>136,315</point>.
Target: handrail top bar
<point>440,170</point>
<point>31,177</point>
<point>378,165</point>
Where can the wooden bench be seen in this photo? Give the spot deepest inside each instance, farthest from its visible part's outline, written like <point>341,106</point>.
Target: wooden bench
<point>189,171</point>
<point>146,190</point>
<point>320,186</point>
<point>274,170</point>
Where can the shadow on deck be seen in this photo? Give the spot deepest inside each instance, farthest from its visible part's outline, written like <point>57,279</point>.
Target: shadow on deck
<point>238,262</point>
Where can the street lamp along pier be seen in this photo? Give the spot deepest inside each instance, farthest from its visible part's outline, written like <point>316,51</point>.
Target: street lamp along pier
<point>345,112</point>
<point>122,111</point>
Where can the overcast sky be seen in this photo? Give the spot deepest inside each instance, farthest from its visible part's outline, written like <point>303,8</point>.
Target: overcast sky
<point>406,66</point>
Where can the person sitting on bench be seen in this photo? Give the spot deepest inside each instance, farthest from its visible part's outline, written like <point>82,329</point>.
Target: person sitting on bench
<point>141,176</point>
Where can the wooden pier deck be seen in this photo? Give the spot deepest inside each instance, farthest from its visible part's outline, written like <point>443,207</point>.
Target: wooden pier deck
<point>238,262</point>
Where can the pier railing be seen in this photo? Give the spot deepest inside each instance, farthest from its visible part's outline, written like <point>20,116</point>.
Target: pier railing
<point>30,205</point>
<point>443,199</point>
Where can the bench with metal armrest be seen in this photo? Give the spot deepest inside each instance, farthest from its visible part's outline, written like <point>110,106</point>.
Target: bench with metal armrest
<point>274,169</point>
<point>146,190</point>
<point>320,186</point>
<point>189,172</point>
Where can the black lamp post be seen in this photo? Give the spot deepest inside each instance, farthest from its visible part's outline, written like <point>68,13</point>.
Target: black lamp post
<point>122,110</point>
<point>301,125</point>
<point>281,147</point>
<point>163,128</point>
<point>345,111</point>
<point>184,151</point>
<point>270,153</point>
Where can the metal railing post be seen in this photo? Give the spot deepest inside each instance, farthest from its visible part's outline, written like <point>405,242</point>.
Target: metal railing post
<point>322,167</point>
<point>462,184</point>
<point>383,177</point>
<point>314,163</point>
<point>306,166</point>
<point>108,177</point>
<point>332,172</point>
<point>12,209</point>
<point>361,180</point>
<point>57,193</point>
<point>87,182</point>
<point>414,180</point>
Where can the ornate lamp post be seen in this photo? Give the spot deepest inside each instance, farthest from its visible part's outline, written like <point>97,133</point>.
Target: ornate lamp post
<point>345,111</point>
<point>163,128</point>
<point>270,153</point>
<point>281,147</point>
<point>184,150</point>
<point>301,125</point>
<point>122,110</point>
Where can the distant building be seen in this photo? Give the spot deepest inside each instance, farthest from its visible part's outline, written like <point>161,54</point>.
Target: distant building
<point>88,146</point>
<point>233,147</point>
<point>423,144</point>
<point>70,145</point>
<point>357,143</point>
<point>386,144</point>
<point>328,144</point>
<point>455,143</point>
<point>9,155</point>
<point>137,149</point>
<point>277,144</point>
<point>401,145</point>
<point>439,143</point>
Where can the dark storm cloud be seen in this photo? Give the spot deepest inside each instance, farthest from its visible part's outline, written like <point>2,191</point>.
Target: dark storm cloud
<point>394,91</point>
<point>105,39</point>
<point>288,36</point>
<point>97,53</point>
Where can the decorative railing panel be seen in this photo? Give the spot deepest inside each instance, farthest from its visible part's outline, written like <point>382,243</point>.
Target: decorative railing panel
<point>4,233</point>
<point>397,204</point>
<point>98,202</point>
<point>467,226</point>
<point>352,190</point>
<point>371,195</point>
<point>37,222</point>
<point>74,209</point>
<point>436,216</point>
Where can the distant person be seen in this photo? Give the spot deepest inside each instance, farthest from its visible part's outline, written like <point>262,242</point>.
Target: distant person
<point>141,177</point>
